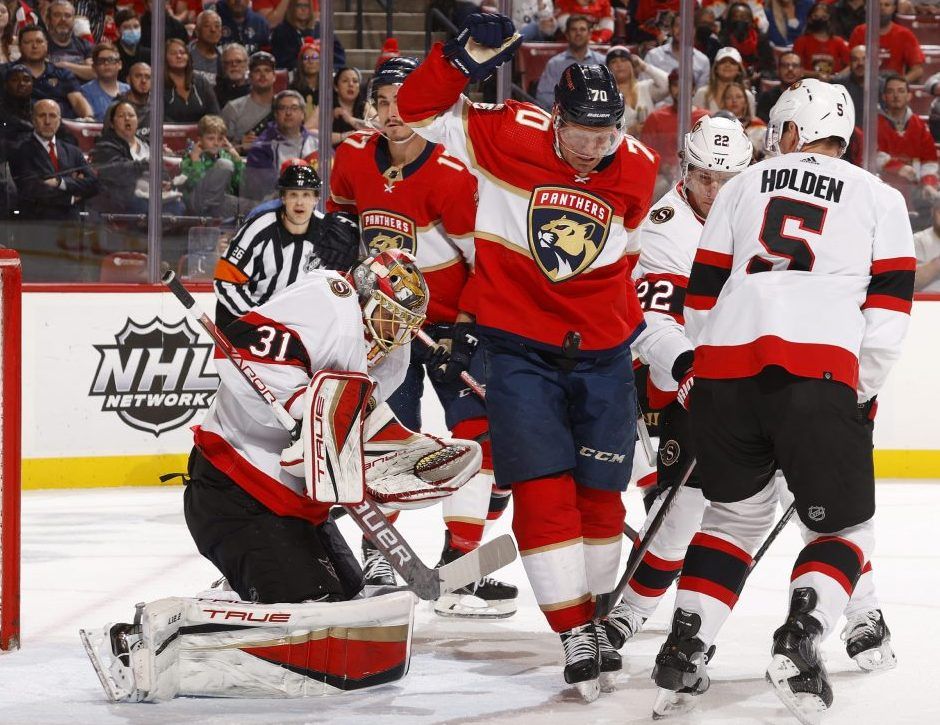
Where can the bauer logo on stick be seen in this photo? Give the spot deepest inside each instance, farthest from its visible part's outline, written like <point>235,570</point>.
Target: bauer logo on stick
<point>567,230</point>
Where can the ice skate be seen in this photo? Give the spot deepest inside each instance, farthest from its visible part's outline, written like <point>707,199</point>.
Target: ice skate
<point>868,641</point>
<point>109,650</point>
<point>680,669</point>
<point>611,662</point>
<point>582,660</point>
<point>485,599</point>
<point>621,624</point>
<point>797,672</point>
<point>376,571</point>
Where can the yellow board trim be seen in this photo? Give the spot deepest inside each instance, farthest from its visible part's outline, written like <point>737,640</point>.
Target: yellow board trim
<point>101,471</point>
<point>907,464</point>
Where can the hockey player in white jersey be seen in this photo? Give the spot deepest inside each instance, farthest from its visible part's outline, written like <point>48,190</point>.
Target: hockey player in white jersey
<point>797,305</point>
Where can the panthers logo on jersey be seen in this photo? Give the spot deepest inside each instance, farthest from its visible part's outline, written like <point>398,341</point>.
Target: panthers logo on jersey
<point>567,230</point>
<point>383,230</point>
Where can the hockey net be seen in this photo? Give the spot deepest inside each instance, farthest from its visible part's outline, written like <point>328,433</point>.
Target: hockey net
<point>10,325</point>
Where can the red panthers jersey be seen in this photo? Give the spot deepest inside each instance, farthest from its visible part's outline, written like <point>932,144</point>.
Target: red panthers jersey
<point>553,248</point>
<point>427,208</point>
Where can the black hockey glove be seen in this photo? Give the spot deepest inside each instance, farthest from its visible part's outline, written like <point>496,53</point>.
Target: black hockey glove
<point>868,410</point>
<point>682,374</point>
<point>338,246</point>
<point>486,41</point>
<point>437,355</point>
<point>462,345</point>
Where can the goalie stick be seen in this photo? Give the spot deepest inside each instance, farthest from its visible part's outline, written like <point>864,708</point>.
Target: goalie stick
<point>606,602</point>
<point>427,583</point>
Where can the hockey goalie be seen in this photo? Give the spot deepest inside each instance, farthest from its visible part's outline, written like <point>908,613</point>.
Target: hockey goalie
<point>290,619</point>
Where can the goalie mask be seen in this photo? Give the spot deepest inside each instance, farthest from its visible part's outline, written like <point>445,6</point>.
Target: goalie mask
<point>394,300</point>
<point>713,152</point>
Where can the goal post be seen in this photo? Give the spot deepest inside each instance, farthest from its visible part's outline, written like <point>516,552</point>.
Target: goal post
<point>10,427</point>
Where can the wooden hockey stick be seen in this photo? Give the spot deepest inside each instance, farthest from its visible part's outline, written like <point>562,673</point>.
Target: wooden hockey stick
<point>606,602</point>
<point>474,385</point>
<point>427,583</point>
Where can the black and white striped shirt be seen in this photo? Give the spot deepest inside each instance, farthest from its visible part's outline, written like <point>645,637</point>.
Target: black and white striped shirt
<point>262,258</point>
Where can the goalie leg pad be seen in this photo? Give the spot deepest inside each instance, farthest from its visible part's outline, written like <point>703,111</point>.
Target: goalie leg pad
<point>335,408</point>
<point>207,648</point>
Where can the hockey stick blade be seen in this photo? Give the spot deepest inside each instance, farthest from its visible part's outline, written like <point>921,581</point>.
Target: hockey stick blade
<point>474,565</point>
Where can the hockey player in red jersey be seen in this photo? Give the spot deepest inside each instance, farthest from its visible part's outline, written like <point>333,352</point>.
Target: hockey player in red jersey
<point>797,305</point>
<point>556,312</point>
<point>408,194</point>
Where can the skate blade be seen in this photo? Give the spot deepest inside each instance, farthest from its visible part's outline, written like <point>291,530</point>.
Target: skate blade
<point>805,707</point>
<point>608,680</point>
<point>669,703</point>
<point>589,690</point>
<point>467,606</point>
<point>92,643</point>
<point>877,659</point>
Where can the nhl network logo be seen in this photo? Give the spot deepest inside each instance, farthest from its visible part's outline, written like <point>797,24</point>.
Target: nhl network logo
<point>155,377</point>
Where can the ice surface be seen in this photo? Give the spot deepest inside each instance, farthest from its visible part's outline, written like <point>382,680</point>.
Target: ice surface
<point>89,555</point>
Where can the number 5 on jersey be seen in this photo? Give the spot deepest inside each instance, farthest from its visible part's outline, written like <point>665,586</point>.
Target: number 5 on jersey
<point>795,250</point>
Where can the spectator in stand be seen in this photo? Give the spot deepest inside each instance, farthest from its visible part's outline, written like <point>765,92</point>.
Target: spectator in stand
<point>853,78</point>
<point>173,28</point>
<point>734,100</point>
<point>927,253</point>
<point>789,71</point>
<point>105,88</point>
<point>598,12</point>
<point>204,50</point>
<point>786,20</point>
<point>187,97</point>
<point>578,35</point>
<point>846,16</point>
<point>66,50</point>
<point>300,25</point>
<point>21,15</point>
<point>247,116</point>
<point>57,84</point>
<point>535,20</point>
<point>233,81</point>
<point>274,10</point>
<point>659,133</point>
<point>9,50</point>
<point>243,25</point>
<point>99,14</point>
<point>284,139</point>
<point>389,50</point>
<point>130,44</point>
<point>138,95</point>
<point>639,96</point>
<point>306,81</point>
<point>899,50</point>
<point>52,178</point>
<point>16,105</point>
<point>349,105</point>
<point>706,37</point>
<point>821,52</point>
<point>666,56</point>
<point>652,19</point>
<point>728,68</point>
<point>213,172</point>
<point>739,31</point>
<point>907,156</point>
<point>122,159</point>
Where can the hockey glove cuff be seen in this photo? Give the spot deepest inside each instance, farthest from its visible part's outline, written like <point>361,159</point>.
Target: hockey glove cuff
<point>682,374</point>
<point>486,41</point>
<point>338,246</point>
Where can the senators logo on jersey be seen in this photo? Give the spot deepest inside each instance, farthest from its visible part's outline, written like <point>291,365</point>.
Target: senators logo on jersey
<point>567,230</point>
<point>383,230</point>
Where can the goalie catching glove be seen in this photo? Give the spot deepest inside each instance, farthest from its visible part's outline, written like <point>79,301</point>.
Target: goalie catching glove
<point>486,41</point>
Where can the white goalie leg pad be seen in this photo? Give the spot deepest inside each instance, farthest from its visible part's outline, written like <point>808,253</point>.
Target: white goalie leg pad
<point>332,433</point>
<point>242,649</point>
<point>406,470</point>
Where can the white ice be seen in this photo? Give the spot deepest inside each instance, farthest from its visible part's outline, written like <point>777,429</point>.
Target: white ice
<point>89,555</point>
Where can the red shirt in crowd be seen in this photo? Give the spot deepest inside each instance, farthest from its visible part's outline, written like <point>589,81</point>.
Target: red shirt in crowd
<point>910,145</point>
<point>599,11</point>
<point>812,50</point>
<point>650,13</point>
<point>659,133</point>
<point>899,49</point>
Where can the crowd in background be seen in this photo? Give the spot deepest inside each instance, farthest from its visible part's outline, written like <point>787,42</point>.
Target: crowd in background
<point>241,77</point>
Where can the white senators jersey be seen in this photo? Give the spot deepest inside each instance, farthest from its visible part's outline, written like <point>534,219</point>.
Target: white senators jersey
<point>668,239</point>
<point>805,262</point>
<point>315,324</point>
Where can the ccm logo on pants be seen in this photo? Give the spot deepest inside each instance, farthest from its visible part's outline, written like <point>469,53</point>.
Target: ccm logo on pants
<point>601,455</point>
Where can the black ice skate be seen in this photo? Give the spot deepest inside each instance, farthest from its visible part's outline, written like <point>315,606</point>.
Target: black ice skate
<point>797,672</point>
<point>376,571</point>
<point>582,660</point>
<point>680,669</point>
<point>621,624</point>
<point>868,641</point>
<point>611,661</point>
<point>485,599</point>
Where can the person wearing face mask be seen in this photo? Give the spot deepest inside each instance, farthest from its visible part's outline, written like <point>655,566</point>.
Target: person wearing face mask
<point>900,52</point>
<point>130,46</point>
<point>740,32</point>
<point>786,20</point>
<point>818,45</point>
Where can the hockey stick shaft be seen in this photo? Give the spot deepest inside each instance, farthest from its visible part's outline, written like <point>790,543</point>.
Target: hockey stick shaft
<point>644,435</point>
<point>471,382</point>
<point>606,602</point>
<point>787,515</point>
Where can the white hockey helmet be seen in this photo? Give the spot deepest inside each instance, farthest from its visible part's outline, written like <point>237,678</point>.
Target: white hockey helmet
<point>717,144</point>
<point>819,110</point>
